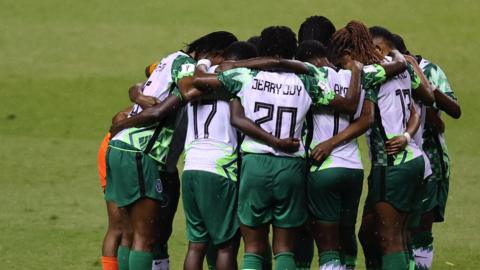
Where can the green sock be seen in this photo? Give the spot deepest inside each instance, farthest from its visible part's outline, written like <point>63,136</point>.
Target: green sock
<point>252,262</point>
<point>285,261</point>
<point>123,253</point>
<point>395,261</point>
<point>140,260</point>
<point>350,262</point>
<point>330,260</point>
<point>160,251</point>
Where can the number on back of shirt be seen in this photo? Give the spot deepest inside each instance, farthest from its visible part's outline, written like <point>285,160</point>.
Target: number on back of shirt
<point>208,107</point>
<point>281,111</point>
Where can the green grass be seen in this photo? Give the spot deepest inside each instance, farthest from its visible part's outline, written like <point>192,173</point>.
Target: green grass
<point>65,67</point>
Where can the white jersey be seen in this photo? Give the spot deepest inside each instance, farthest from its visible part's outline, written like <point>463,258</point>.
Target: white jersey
<point>161,83</point>
<point>277,102</point>
<point>394,98</point>
<point>211,140</point>
<point>328,123</point>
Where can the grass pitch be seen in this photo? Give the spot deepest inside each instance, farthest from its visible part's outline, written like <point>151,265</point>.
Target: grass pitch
<point>65,68</point>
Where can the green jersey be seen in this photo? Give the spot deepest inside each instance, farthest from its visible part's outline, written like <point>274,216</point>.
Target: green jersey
<point>278,102</point>
<point>434,144</point>
<point>161,83</point>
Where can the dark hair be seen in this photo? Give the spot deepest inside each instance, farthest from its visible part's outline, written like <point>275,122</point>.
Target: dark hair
<point>255,41</point>
<point>317,28</point>
<point>278,41</point>
<point>355,37</point>
<point>399,44</point>
<point>310,49</point>
<point>382,32</point>
<point>240,50</point>
<point>215,42</point>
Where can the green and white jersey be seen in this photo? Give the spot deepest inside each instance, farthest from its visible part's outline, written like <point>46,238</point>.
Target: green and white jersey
<point>161,83</point>
<point>434,144</point>
<point>328,123</point>
<point>392,111</point>
<point>211,140</point>
<point>278,102</point>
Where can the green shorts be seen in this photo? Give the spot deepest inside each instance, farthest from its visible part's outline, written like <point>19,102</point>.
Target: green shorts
<point>334,194</point>
<point>272,190</point>
<point>209,203</point>
<point>435,198</point>
<point>398,185</point>
<point>131,175</point>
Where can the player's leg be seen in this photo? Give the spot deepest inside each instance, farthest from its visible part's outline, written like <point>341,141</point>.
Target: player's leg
<point>197,233</point>
<point>350,195</point>
<point>112,238</point>
<point>289,207</point>
<point>303,248</point>
<point>324,203</point>
<point>254,208</point>
<point>123,253</point>
<point>171,190</point>
<point>391,226</point>
<point>213,191</point>
<point>144,219</point>
<point>255,241</point>
<point>368,236</point>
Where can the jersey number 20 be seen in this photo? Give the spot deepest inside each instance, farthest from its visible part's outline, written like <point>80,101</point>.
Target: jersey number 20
<point>281,110</point>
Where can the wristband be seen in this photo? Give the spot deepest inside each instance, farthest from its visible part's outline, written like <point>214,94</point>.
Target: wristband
<point>407,136</point>
<point>204,62</point>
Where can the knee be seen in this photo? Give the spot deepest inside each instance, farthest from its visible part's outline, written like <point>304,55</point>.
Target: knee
<point>258,248</point>
<point>197,248</point>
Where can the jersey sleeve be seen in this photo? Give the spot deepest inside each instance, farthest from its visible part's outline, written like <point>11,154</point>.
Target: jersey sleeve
<point>182,66</point>
<point>318,86</point>
<point>413,76</point>
<point>234,80</point>
<point>438,79</point>
<point>372,78</point>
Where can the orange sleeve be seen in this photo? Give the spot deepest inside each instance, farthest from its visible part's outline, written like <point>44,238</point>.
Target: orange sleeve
<point>101,161</point>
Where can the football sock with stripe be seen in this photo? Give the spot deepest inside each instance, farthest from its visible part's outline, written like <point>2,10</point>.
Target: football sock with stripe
<point>123,253</point>
<point>423,250</point>
<point>252,262</point>
<point>160,257</point>
<point>284,261</point>
<point>330,260</point>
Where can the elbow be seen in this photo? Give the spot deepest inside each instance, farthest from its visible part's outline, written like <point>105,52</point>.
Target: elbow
<point>455,114</point>
<point>234,121</point>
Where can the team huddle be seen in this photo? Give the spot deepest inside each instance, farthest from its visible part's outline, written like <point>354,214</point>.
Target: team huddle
<point>269,131</point>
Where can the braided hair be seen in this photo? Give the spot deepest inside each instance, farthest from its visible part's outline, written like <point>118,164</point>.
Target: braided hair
<point>355,37</point>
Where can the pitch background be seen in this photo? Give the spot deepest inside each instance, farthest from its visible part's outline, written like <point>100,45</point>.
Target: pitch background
<point>65,67</point>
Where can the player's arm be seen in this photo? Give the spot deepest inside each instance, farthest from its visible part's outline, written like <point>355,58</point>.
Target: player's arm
<point>447,104</point>
<point>151,115</point>
<point>398,143</point>
<point>248,127</point>
<point>121,115</point>
<point>203,80</point>
<point>421,91</point>
<point>267,63</point>
<point>434,120</point>
<point>135,93</point>
<point>349,103</point>
<point>355,129</point>
<point>396,66</point>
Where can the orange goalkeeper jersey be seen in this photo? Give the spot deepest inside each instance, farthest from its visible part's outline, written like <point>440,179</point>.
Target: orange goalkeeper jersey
<point>101,161</point>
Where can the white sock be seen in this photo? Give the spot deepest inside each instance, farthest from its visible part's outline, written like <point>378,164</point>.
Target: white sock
<point>423,257</point>
<point>334,265</point>
<point>162,264</point>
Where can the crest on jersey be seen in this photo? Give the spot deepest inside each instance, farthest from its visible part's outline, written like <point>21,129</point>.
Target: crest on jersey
<point>159,186</point>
